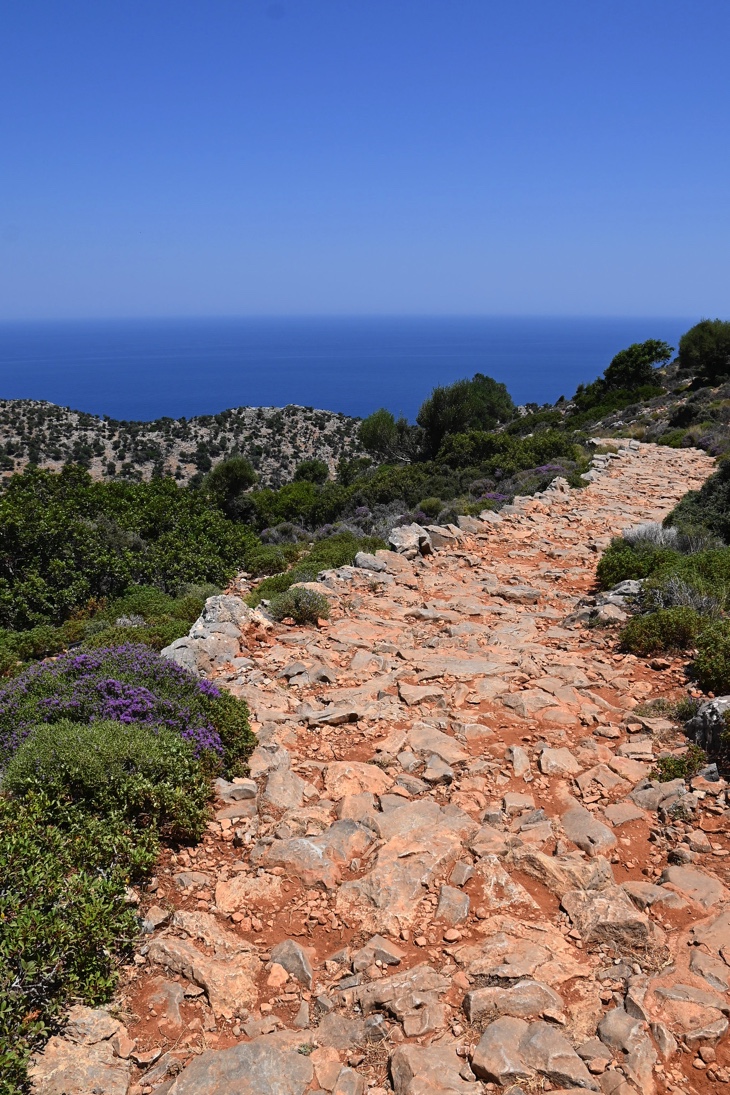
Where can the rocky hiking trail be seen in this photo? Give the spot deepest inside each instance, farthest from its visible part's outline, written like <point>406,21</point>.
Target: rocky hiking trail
<point>449,870</point>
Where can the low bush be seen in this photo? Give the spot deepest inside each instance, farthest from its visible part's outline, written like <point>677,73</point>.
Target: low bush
<point>304,606</point>
<point>127,684</point>
<point>146,775</point>
<point>685,767</point>
<point>65,924</point>
<point>711,666</point>
<point>667,629</point>
<point>623,560</point>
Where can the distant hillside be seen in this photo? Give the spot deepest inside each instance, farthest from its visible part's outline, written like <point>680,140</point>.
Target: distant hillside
<point>274,439</point>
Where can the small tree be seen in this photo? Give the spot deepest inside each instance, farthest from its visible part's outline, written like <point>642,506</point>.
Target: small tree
<point>312,471</point>
<point>227,481</point>
<point>477,404</point>
<point>705,350</point>
<point>379,432</point>
<point>634,366</point>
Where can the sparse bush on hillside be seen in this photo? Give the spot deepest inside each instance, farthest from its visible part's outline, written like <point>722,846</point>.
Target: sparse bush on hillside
<point>304,606</point>
<point>312,471</point>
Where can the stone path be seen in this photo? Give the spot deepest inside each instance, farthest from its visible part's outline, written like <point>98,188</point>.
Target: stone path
<point>449,871</point>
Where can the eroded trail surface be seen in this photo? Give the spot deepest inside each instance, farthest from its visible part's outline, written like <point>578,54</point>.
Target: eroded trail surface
<point>449,871</point>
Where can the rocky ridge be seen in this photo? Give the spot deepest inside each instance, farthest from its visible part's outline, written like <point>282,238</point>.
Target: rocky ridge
<point>274,439</point>
<point>449,870</point>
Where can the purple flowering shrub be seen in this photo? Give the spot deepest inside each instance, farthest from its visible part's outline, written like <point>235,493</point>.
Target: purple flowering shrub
<point>128,684</point>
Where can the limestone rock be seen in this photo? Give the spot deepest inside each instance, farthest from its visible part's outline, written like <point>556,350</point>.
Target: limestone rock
<point>269,1065</point>
<point>83,1059</point>
<point>607,916</point>
<point>429,1070</point>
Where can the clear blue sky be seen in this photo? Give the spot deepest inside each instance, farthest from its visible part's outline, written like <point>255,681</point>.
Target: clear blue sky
<point>213,157</point>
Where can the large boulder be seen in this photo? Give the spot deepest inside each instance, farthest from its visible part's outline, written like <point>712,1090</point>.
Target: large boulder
<point>215,637</point>
<point>410,540</point>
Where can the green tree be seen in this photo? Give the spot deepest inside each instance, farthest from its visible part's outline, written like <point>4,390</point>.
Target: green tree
<point>477,404</point>
<point>227,481</point>
<point>705,350</point>
<point>379,432</point>
<point>633,367</point>
<point>312,471</point>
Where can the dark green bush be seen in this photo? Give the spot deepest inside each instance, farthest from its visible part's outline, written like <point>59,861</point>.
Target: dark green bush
<point>66,539</point>
<point>711,666</point>
<point>477,404</point>
<point>705,350</point>
<point>64,921</point>
<point>312,471</point>
<point>146,775</point>
<point>304,606</point>
<point>667,629</point>
<point>266,560</point>
<point>708,507</point>
<point>622,561</point>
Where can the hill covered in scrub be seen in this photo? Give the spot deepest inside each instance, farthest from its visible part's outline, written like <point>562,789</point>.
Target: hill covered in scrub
<point>274,439</point>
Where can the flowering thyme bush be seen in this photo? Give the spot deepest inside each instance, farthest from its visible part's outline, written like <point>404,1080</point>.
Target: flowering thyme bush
<point>126,684</point>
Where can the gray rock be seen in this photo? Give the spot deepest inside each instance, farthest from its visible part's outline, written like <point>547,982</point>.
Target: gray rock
<point>695,885</point>
<point>430,1070</point>
<point>410,540</point>
<point>369,562</point>
<point>622,1032</point>
<point>269,1065</point>
<point>607,916</point>
<point>498,1056</point>
<point>377,949</point>
<point>284,789</point>
<point>524,1000</point>
<point>586,831</point>
<point>549,1053</point>
<point>83,1059</point>
<point>565,872</point>
<point>453,906</point>
<point>349,1082</point>
<point>293,957</point>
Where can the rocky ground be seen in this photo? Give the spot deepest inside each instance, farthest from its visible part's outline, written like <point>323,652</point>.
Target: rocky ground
<point>449,871</point>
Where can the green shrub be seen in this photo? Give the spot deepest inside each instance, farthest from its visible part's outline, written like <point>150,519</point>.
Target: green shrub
<point>148,776</point>
<point>65,924</point>
<point>304,606</point>
<point>155,635</point>
<point>229,716</point>
<point>667,629</point>
<point>711,666</point>
<point>431,506</point>
<point>312,471</point>
<point>328,554</point>
<point>266,560</point>
<point>480,403</point>
<point>622,561</point>
<point>705,349</point>
<point>684,767</point>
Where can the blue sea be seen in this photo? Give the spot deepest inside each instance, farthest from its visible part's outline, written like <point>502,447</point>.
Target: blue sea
<point>145,368</point>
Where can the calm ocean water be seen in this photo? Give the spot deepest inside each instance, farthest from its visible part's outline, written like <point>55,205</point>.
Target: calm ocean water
<point>143,369</point>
